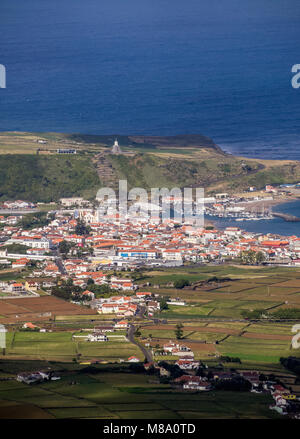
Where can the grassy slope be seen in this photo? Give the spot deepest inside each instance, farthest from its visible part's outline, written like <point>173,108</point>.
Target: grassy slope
<point>179,161</point>
<point>209,169</point>
<point>46,178</point>
<point>200,169</point>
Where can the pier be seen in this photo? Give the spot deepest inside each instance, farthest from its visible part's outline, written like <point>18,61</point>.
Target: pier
<point>287,217</point>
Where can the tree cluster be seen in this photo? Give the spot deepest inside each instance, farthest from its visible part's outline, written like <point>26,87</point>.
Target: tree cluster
<point>250,257</point>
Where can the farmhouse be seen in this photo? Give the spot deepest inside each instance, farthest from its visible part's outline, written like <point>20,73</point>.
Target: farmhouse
<point>20,263</point>
<point>133,359</point>
<point>153,306</point>
<point>89,294</point>
<point>97,336</point>
<point>36,377</point>
<point>106,328</point>
<point>176,302</point>
<point>177,349</point>
<point>121,325</point>
<point>202,386</point>
<point>143,294</point>
<point>29,325</point>
<point>108,308</point>
<point>187,364</point>
<point>122,284</point>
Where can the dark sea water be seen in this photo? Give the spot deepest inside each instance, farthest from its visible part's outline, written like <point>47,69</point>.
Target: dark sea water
<point>276,225</point>
<point>220,68</point>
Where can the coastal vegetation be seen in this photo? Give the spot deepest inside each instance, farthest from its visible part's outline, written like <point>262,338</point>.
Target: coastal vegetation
<point>197,168</point>
<point>46,178</point>
<point>179,161</point>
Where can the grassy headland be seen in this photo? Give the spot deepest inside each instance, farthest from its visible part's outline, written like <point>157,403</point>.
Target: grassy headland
<point>46,178</point>
<point>179,161</point>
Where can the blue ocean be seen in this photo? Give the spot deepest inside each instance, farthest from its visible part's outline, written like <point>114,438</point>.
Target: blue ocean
<point>220,68</point>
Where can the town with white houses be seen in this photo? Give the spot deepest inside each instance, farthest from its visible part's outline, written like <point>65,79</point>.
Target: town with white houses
<point>133,244</point>
<point>98,260</point>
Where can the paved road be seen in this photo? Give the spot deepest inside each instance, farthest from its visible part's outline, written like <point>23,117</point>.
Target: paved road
<point>59,263</point>
<point>141,311</point>
<point>146,352</point>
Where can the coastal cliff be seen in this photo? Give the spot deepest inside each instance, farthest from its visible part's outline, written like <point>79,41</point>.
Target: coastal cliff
<point>47,166</point>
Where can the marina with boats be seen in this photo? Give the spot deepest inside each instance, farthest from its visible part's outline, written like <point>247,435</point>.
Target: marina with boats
<point>264,221</point>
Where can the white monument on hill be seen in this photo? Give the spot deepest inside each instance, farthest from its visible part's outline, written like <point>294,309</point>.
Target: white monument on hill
<point>116,148</point>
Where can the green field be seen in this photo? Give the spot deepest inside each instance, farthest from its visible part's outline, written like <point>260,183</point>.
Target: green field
<point>265,345</point>
<point>217,308</point>
<point>61,347</point>
<point>125,396</point>
<point>213,314</point>
<point>78,317</point>
<point>186,311</point>
<point>260,350</point>
<point>244,288</point>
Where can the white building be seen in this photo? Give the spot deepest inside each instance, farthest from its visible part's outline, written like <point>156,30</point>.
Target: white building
<point>172,255</point>
<point>73,201</point>
<point>97,336</point>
